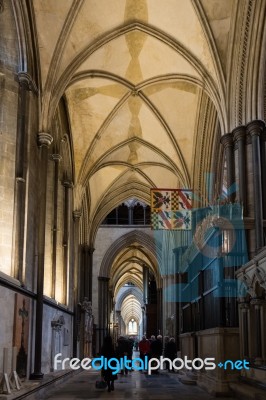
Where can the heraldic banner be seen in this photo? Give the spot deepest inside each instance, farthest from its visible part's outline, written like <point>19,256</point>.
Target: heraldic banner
<point>171,209</point>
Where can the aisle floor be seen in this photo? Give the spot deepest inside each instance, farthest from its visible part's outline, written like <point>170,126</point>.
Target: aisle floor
<point>136,385</point>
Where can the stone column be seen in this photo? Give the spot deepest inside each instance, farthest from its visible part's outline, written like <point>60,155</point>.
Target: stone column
<point>263,171</point>
<point>56,158</point>
<point>227,142</point>
<point>159,311</point>
<point>145,284</point>
<point>103,288</point>
<point>144,214</point>
<point>90,268</point>
<point>258,328</point>
<point>118,320</point>
<point>25,85</point>
<point>86,273</point>
<point>255,129</point>
<point>244,329</point>
<point>239,135</point>
<point>68,186</point>
<point>144,320</point>
<point>44,141</point>
<point>263,329</point>
<point>130,215</point>
<point>77,316</point>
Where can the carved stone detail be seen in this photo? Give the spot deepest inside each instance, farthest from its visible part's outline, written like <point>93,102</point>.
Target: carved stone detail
<point>56,157</point>
<point>239,133</point>
<point>26,80</point>
<point>68,184</point>
<point>44,139</point>
<point>76,214</point>
<point>255,127</point>
<point>88,325</point>
<point>227,140</point>
<point>58,323</point>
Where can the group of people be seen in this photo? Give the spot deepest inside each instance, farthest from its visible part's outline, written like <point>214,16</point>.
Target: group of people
<point>155,347</point>
<point>124,347</point>
<point>151,348</point>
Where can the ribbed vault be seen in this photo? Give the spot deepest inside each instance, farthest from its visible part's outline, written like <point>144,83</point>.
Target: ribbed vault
<point>133,75</point>
<point>124,260</point>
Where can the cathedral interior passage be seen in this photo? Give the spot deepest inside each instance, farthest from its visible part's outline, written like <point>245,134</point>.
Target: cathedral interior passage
<point>133,193</point>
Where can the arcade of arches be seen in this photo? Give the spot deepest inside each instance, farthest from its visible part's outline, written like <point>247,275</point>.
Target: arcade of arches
<point>100,101</point>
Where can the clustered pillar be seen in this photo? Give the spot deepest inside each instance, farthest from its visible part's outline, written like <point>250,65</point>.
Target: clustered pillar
<point>255,129</point>
<point>67,188</point>
<point>246,146</point>
<point>25,85</point>
<point>103,285</point>
<point>249,176</point>
<point>56,158</point>
<point>44,141</point>
<point>76,296</point>
<point>239,135</point>
<point>228,143</point>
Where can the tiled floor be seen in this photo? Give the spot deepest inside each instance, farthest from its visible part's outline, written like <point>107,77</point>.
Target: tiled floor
<point>135,385</point>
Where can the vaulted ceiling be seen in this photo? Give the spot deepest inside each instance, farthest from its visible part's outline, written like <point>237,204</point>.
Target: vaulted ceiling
<point>135,75</point>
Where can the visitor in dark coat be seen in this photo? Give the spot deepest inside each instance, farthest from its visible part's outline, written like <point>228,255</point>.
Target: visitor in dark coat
<point>157,347</point>
<point>123,349</point>
<point>170,351</point>
<point>144,348</point>
<point>108,352</point>
<point>156,350</point>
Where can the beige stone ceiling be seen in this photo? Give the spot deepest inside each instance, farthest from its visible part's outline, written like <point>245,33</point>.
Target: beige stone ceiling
<point>127,266</point>
<point>132,73</point>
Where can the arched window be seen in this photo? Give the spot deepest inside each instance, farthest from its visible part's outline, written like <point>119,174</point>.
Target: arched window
<point>122,215</point>
<point>138,215</point>
<point>132,327</point>
<point>131,212</point>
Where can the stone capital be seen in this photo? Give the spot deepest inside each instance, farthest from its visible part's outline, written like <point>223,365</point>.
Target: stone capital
<point>88,249</point>
<point>255,128</point>
<point>26,81</point>
<point>56,157</point>
<point>263,135</point>
<point>227,140</point>
<point>103,279</point>
<point>76,215</point>
<point>67,184</point>
<point>44,139</point>
<point>19,179</point>
<point>244,306</point>
<point>239,133</point>
<point>257,302</point>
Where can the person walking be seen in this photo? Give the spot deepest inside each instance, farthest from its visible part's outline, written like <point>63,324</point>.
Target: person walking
<point>157,349</point>
<point>166,341</point>
<point>170,351</point>
<point>144,348</point>
<point>123,349</point>
<point>108,352</point>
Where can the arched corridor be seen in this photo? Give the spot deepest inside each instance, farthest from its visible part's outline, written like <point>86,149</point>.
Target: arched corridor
<point>133,191</point>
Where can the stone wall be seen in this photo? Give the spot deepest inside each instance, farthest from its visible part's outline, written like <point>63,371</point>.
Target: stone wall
<point>8,128</point>
<point>219,343</point>
<point>63,338</point>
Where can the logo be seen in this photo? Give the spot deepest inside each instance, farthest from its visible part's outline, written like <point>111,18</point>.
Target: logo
<point>149,365</point>
<point>214,240</point>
